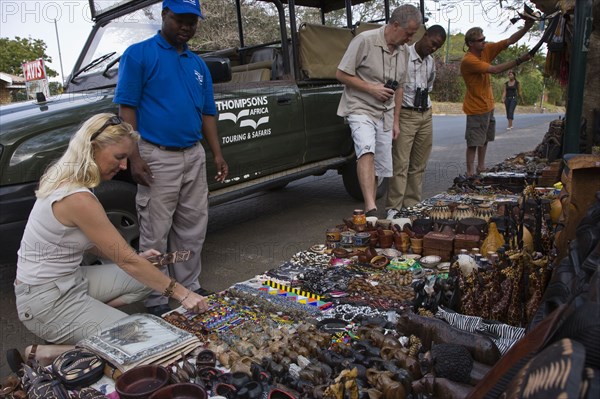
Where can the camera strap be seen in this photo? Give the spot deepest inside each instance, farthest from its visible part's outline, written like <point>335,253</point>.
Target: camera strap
<point>395,67</point>
<point>418,78</point>
<point>419,82</point>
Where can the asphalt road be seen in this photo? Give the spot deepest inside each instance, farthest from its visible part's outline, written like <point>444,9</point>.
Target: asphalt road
<point>253,234</point>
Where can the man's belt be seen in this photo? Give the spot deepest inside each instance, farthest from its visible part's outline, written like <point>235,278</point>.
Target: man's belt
<point>169,148</point>
<point>416,109</point>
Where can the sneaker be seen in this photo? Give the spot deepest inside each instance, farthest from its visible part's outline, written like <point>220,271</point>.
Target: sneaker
<point>158,310</point>
<point>203,292</point>
<point>509,128</point>
<point>392,214</point>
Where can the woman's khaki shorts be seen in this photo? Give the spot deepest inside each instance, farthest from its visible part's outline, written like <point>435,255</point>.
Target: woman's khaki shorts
<point>73,307</point>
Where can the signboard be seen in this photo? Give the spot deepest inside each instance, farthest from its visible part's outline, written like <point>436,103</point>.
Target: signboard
<point>35,78</point>
<point>34,70</point>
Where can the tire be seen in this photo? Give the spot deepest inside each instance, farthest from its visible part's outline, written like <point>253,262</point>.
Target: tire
<point>352,186</point>
<point>118,199</point>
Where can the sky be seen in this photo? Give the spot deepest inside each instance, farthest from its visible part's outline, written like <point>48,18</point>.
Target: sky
<point>41,19</point>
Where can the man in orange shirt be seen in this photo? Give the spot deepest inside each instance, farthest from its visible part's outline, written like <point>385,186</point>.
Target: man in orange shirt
<point>475,69</point>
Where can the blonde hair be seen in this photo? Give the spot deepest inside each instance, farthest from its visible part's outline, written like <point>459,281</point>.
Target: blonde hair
<point>472,34</point>
<point>76,168</point>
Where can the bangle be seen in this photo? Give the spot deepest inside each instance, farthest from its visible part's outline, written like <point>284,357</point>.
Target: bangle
<point>185,297</point>
<point>168,292</point>
<point>518,61</point>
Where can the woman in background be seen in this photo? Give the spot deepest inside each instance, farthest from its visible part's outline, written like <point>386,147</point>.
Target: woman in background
<point>512,89</point>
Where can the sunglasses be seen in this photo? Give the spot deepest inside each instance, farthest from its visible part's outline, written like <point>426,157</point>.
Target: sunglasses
<point>112,121</point>
<point>480,40</point>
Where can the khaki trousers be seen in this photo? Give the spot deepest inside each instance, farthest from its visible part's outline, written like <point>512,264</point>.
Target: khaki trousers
<point>173,211</point>
<point>410,152</point>
<point>73,307</point>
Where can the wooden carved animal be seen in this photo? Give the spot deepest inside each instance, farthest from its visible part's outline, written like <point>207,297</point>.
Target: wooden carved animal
<point>431,330</point>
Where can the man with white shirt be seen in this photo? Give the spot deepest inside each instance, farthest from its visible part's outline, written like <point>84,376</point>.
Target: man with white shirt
<point>411,150</point>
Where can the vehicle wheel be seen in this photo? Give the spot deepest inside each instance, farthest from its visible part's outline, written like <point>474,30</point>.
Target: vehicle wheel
<point>352,186</point>
<point>118,200</point>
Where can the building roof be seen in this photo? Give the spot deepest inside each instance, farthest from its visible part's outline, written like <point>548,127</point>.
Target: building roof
<point>12,81</point>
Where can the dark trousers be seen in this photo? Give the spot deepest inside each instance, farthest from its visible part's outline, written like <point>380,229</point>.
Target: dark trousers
<point>511,104</point>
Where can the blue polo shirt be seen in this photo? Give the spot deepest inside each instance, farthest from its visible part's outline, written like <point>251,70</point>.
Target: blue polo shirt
<point>170,91</point>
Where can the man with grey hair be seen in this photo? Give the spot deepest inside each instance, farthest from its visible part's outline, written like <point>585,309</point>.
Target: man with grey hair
<point>373,71</point>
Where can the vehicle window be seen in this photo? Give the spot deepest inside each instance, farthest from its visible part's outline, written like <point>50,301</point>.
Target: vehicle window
<point>104,6</point>
<point>119,34</point>
<point>219,28</point>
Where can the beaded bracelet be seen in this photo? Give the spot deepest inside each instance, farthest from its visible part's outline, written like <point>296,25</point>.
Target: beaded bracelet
<point>168,292</point>
<point>185,297</point>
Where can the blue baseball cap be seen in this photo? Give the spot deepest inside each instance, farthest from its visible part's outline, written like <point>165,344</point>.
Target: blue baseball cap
<point>183,6</point>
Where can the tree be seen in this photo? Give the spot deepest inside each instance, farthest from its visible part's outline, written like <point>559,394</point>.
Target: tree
<point>448,85</point>
<point>18,50</point>
<point>591,93</point>
<point>219,29</point>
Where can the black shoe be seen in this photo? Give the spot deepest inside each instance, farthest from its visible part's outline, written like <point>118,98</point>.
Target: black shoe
<point>372,212</point>
<point>203,292</point>
<point>14,359</point>
<point>158,310</point>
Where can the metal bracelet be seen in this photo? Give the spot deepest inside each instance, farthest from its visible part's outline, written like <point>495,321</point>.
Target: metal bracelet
<point>185,297</point>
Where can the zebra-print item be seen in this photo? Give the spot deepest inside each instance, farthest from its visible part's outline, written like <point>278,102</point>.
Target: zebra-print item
<point>503,335</point>
<point>78,368</point>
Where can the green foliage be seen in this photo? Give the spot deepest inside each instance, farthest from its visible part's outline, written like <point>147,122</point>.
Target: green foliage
<point>453,47</point>
<point>530,75</point>
<point>219,29</point>
<point>18,50</point>
<point>55,88</point>
<point>449,85</point>
<point>556,92</point>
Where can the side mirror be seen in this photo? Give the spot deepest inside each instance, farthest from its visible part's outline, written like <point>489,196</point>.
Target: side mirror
<point>220,68</point>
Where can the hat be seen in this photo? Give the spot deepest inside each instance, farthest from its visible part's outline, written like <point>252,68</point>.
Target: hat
<point>183,6</point>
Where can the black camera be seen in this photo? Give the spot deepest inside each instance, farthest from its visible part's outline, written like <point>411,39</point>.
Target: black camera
<point>421,97</point>
<point>391,84</point>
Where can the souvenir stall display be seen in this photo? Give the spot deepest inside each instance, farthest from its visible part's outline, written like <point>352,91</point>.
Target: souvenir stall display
<point>460,296</point>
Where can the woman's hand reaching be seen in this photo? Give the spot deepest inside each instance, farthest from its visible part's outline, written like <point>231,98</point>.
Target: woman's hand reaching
<point>194,302</point>
<point>149,253</point>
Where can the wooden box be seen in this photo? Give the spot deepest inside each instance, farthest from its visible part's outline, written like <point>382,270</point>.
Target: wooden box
<point>465,241</point>
<point>437,240</point>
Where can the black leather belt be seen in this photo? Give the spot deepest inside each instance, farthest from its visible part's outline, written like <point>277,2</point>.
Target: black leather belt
<point>416,109</point>
<point>168,148</point>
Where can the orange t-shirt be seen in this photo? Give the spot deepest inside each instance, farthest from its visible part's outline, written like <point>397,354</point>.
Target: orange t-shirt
<point>479,98</point>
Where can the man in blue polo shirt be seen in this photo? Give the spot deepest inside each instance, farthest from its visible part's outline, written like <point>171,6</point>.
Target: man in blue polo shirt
<point>165,91</point>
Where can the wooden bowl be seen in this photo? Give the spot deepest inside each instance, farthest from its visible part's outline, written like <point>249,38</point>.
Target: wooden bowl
<point>141,381</point>
<point>430,261</point>
<point>379,262</point>
<point>180,391</point>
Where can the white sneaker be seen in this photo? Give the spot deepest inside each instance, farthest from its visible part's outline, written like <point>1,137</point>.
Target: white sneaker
<point>392,213</point>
